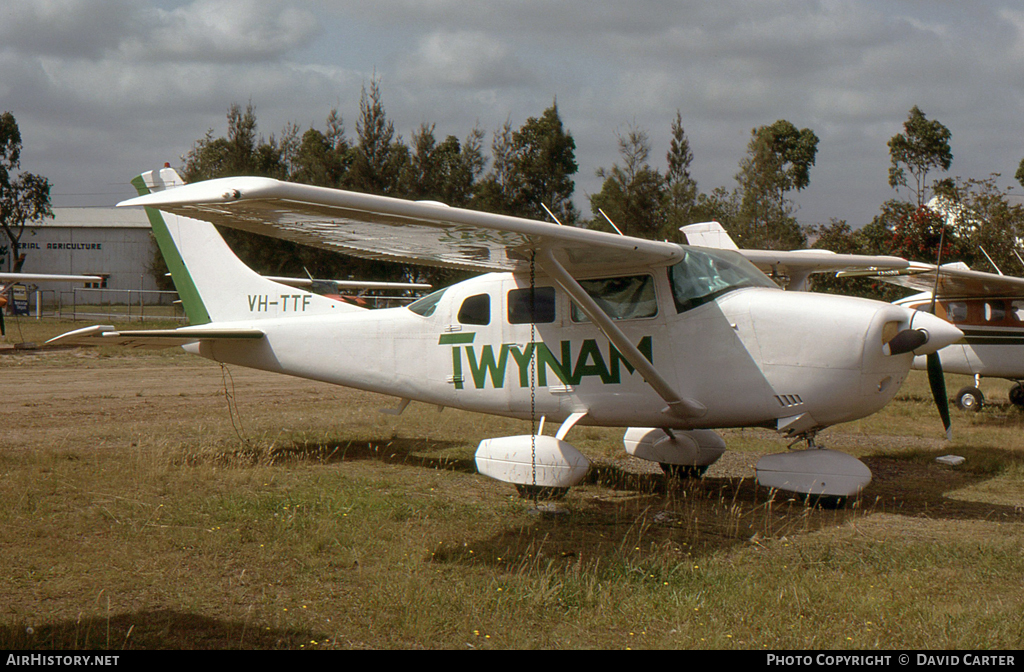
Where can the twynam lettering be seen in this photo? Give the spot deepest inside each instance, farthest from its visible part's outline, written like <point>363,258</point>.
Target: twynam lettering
<point>488,365</point>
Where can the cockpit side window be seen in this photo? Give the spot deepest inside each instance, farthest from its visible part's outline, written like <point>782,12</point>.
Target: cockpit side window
<point>704,275</point>
<point>625,298</point>
<point>476,310</point>
<point>956,311</point>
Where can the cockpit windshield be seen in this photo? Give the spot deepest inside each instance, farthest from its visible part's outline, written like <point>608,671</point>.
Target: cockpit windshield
<point>703,275</point>
<point>427,304</point>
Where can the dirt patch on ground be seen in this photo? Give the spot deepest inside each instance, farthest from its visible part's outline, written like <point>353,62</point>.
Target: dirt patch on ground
<point>82,400</point>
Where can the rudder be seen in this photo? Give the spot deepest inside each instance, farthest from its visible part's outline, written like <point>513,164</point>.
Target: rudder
<point>213,283</point>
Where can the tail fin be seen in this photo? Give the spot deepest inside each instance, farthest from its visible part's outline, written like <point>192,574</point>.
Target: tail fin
<point>708,234</point>
<point>213,283</point>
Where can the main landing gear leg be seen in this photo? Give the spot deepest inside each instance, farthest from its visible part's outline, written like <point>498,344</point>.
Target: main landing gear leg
<point>817,500</point>
<point>809,438</point>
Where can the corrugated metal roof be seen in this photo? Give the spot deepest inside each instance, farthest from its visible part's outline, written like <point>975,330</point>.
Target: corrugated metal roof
<point>96,218</point>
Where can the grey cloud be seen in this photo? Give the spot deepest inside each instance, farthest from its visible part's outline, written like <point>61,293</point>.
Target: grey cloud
<point>66,28</point>
<point>466,60</point>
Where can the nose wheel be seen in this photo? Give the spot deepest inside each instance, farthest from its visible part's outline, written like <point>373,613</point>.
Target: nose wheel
<point>683,472</point>
<point>971,398</point>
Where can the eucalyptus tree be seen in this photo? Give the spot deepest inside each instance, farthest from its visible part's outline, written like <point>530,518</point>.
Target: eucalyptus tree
<point>922,147</point>
<point>632,194</point>
<point>443,171</point>
<point>382,155</point>
<point>543,161</point>
<point>680,187</point>
<point>779,159</point>
<point>531,167</point>
<point>24,197</point>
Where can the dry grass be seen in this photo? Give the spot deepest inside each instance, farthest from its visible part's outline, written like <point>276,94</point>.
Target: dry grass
<point>138,512</point>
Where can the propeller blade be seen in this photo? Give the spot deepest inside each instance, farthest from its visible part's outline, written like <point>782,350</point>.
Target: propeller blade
<point>938,384</point>
<point>906,341</point>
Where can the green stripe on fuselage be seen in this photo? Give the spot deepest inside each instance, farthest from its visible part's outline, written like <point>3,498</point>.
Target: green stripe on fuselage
<point>456,339</point>
<point>195,309</point>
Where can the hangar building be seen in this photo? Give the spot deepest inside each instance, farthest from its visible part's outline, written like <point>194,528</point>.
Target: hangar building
<point>115,243</point>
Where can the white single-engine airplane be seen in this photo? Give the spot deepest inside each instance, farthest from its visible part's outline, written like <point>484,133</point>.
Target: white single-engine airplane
<point>987,307</point>
<point>569,325</point>
<point>8,279</point>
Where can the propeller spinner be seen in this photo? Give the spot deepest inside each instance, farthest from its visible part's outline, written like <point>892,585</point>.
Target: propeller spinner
<point>927,339</point>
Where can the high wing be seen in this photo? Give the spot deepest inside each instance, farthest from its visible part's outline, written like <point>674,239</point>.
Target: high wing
<point>105,334</point>
<point>348,284</point>
<point>388,229</point>
<point>47,277</point>
<point>955,280</point>
<point>796,265</point>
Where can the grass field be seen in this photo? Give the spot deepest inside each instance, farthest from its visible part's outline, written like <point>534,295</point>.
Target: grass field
<point>156,500</point>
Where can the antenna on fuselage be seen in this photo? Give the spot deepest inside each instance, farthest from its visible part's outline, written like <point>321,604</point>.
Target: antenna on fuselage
<point>551,214</point>
<point>610,222</point>
<point>1018,257</point>
<point>990,259</point>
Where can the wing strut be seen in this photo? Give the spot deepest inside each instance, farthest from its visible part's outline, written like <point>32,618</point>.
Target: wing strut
<point>677,406</point>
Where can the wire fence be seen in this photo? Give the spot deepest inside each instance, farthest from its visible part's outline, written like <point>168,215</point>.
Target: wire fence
<point>139,305</point>
<point>119,305</point>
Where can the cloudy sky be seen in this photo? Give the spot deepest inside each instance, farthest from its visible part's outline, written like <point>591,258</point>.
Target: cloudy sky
<point>105,89</point>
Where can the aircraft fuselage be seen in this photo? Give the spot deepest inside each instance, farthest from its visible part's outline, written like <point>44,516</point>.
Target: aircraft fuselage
<point>753,356</point>
<point>993,335</point>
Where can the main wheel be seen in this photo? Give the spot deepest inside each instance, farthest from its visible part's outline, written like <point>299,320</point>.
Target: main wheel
<point>970,399</point>
<point>682,471</point>
<point>1017,395</point>
<point>833,502</point>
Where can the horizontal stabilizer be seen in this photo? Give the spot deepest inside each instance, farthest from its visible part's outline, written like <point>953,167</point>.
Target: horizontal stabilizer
<point>150,338</point>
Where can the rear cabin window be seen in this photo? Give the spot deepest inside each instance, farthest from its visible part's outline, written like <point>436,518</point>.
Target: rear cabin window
<point>625,298</point>
<point>994,311</point>
<point>543,309</point>
<point>476,310</point>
